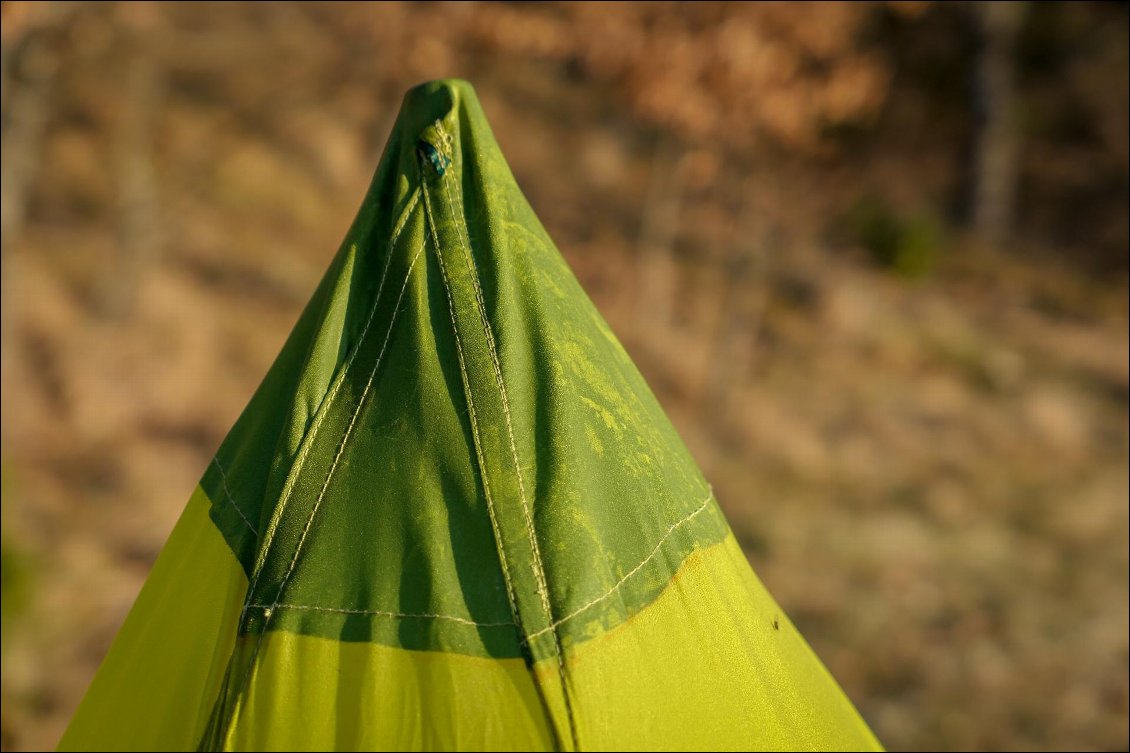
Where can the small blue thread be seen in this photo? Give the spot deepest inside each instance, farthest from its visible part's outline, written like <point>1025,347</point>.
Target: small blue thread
<point>437,159</point>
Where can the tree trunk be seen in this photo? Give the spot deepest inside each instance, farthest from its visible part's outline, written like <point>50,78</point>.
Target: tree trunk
<point>998,138</point>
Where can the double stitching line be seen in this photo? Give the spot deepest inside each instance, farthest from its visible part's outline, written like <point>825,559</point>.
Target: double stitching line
<point>471,409</point>
<point>301,461</point>
<point>539,568</point>
<point>296,469</point>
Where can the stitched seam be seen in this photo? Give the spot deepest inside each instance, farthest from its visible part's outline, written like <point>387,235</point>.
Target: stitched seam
<point>382,613</point>
<point>231,499</point>
<point>471,411</point>
<point>539,571</point>
<point>539,568</point>
<point>268,611</point>
<point>425,615</point>
<point>296,469</point>
<point>348,430</point>
<point>631,572</point>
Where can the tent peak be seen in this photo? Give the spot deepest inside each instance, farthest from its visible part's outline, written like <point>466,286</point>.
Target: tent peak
<point>438,100</point>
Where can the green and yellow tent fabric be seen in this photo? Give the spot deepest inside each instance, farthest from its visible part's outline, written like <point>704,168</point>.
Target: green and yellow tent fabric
<point>453,516</point>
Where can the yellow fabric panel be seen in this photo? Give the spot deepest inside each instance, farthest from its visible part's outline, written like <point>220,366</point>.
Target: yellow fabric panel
<point>157,685</point>
<point>712,664</point>
<point>311,693</point>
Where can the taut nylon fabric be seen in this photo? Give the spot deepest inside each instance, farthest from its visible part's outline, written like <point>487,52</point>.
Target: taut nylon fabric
<point>454,516</point>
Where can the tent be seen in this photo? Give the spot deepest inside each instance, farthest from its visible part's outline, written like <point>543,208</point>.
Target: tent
<point>454,516</point>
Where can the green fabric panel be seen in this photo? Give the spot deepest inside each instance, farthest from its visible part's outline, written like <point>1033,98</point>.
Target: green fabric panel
<point>448,395</point>
<point>257,458</point>
<point>156,687</point>
<point>453,471</point>
<point>387,510</point>
<point>588,474</point>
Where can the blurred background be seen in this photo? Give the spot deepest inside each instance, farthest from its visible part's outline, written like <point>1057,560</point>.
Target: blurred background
<point>872,257</point>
